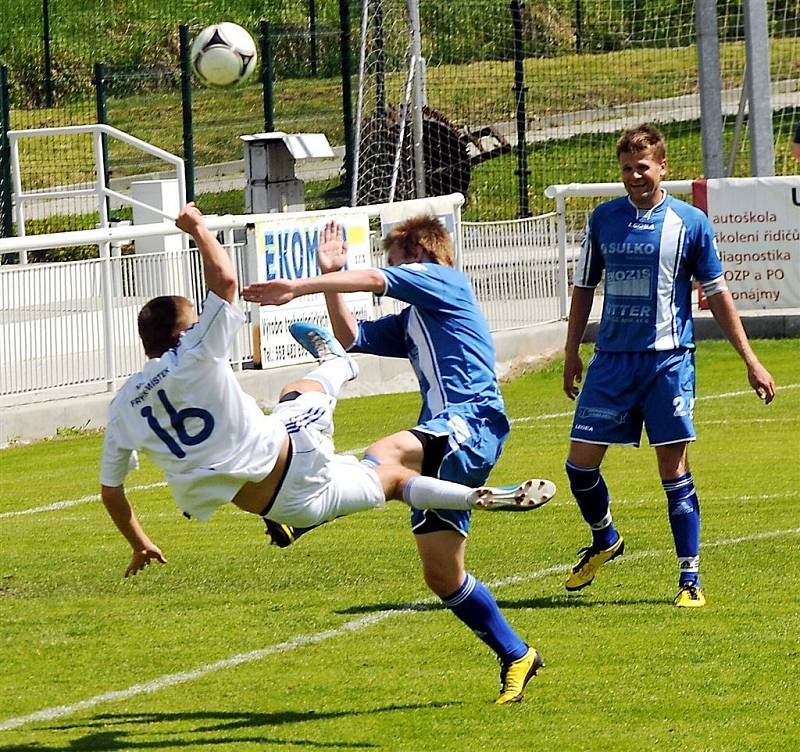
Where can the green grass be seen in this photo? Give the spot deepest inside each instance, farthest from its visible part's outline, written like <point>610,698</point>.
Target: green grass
<point>625,671</point>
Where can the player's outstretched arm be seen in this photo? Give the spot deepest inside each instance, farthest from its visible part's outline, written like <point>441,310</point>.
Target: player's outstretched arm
<point>123,516</point>
<point>724,312</point>
<point>217,267</point>
<point>280,291</point>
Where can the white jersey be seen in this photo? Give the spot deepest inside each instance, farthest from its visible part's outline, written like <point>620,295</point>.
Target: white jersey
<point>188,414</point>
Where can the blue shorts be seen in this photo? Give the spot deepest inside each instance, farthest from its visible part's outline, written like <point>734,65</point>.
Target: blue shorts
<point>474,443</point>
<point>624,390</point>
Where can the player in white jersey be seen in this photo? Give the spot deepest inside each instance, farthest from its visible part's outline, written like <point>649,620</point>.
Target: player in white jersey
<point>462,424</point>
<point>186,411</point>
<point>650,247</point>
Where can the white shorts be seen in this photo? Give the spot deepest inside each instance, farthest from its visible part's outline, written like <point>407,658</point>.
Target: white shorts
<point>319,484</point>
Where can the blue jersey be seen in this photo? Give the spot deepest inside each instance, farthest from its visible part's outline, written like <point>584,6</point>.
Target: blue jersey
<point>650,257</point>
<point>444,335</point>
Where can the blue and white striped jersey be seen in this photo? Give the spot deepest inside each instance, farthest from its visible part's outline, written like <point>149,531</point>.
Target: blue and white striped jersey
<point>650,257</point>
<point>442,332</point>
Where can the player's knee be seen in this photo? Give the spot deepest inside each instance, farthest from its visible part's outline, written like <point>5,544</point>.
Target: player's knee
<point>442,582</point>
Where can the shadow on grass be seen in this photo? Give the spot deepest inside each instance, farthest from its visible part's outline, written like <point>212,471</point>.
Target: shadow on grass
<point>551,601</point>
<point>202,722</point>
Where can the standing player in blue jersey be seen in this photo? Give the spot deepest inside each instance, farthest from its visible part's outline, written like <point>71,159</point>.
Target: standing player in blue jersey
<point>651,247</point>
<point>462,425</point>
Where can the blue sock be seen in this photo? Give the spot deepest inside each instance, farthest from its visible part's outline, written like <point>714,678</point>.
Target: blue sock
<point>684,519</point>
<point>591,493</point>
<point>477,608</point>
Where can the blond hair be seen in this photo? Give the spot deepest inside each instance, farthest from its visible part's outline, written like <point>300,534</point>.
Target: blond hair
<point>424,232</point>
<point>641,138</point>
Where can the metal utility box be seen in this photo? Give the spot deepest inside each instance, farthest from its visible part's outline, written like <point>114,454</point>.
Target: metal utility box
<point>269,168</point>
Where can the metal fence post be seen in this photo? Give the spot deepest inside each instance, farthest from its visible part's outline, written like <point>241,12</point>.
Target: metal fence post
<point>380,62</point>
<point>5,156</point>
<point>347,89</point>
<point>756,44</point>
<point>578,27</point>
<point>418,100</point>
<point>267,77</point>
<point>710,81</point>
<point>519,91</point>
<point>312,27</point>
<point>48,61</point>
<point>563,277</point>
<point>102,118</point>
<point>186,104</point>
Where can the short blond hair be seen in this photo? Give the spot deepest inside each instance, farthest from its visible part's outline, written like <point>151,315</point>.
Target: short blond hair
<point>425,232</point>
<point>641,138</point>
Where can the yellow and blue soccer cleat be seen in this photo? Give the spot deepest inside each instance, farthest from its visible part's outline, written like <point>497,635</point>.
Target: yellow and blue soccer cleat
<point>516,674</point>
<point>279,535</point>
<point>589,564</point>
<point>689,596</point>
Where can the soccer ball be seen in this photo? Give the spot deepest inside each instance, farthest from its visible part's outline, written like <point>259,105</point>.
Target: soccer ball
<point>223,54</point>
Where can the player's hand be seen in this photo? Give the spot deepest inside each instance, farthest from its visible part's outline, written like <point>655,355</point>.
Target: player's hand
<point>573,373</point>
<point>332,251</point>
<point>142,557</point>
<point>190,218</point>
<point>274,292</point>
<point>761,380</point>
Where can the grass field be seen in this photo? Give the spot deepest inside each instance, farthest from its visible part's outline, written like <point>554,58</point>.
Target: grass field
<point>335,642</point>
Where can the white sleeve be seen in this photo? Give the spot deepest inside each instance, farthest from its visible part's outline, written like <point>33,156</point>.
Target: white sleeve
<point>212,335</point>
<point>116,460</point>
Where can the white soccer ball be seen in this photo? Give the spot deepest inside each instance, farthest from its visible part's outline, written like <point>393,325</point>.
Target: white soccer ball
<point>223,54</point>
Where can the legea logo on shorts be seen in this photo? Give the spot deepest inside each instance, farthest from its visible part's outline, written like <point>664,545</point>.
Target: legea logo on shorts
<point>581,427</point>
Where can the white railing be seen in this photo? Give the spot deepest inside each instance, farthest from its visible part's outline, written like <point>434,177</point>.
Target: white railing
<point>100,189</point>
<point>514,270</point>
<point>74,323</point>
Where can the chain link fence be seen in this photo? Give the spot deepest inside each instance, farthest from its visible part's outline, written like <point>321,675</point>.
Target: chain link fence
<point>560,77</point>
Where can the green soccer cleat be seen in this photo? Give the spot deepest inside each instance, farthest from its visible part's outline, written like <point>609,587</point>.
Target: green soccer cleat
<point>589,564</point>
<point>529,495</point>
<point>516,674</point>
<point>279,535</point>
<point>689,596</point>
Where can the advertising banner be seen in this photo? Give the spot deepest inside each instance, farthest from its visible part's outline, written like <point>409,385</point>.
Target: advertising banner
<point>757,226</point>
<point>287,249</point>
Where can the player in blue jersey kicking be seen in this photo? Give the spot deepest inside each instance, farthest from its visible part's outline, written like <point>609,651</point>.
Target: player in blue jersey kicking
<point>186,411</point>
<point>462,425</point>
<point>651,247</point>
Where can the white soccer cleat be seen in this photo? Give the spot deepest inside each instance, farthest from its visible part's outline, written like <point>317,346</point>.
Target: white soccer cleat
<point>529,495</point>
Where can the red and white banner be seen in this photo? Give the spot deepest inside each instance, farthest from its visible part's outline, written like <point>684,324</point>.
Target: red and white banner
<point>757,225</point>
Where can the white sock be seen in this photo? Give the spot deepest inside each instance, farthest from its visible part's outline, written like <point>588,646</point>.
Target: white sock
<point>423,492</point>
<point>333,373</point>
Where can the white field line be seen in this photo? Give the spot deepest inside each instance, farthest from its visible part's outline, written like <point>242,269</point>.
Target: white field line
<point>67,503</point>
<point>724,395</point>
<point>358,450</point>
<point>356,625</point>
